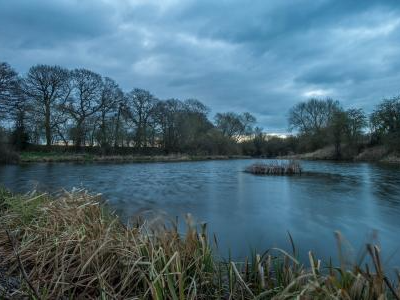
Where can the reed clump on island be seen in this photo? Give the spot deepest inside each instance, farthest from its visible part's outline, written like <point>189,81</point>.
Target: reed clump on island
<point>275,168</point>
<point>72,246</point>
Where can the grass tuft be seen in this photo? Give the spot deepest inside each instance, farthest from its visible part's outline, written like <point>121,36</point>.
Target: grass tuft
<point>72,246</point>
<point>275,168</point>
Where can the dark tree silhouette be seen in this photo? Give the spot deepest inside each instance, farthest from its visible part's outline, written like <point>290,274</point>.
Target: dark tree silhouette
<point>48,87</point>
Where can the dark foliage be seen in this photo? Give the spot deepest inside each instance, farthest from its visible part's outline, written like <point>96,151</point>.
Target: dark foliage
<point>60,108</point>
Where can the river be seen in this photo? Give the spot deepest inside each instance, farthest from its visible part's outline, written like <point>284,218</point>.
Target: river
<point>245,211</point>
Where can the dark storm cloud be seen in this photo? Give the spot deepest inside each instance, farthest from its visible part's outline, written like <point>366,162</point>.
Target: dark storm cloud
<point>256,56</point>
<point>48,22</point>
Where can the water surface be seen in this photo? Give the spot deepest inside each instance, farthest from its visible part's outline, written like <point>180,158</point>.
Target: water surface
<point>245,211</point>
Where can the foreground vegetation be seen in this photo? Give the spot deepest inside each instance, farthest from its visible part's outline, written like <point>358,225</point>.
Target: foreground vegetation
<point>72,246</point>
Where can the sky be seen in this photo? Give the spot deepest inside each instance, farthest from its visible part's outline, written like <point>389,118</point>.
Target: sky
<point>257,56</point>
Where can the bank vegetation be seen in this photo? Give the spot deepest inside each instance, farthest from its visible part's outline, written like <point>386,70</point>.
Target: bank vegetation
<point>71,246</point>
<point>51,109</point>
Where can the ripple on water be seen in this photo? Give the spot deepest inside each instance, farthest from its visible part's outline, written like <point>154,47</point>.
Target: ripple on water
<point>242,209</point>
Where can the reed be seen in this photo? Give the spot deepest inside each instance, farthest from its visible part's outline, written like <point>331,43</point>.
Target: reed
<point>275,168</point>
<point>72,246</point>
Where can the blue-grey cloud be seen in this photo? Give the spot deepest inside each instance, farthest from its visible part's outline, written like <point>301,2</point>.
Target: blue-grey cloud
<point>257,56</point>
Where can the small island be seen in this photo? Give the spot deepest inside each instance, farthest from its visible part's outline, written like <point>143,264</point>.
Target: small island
<point>275,168</point>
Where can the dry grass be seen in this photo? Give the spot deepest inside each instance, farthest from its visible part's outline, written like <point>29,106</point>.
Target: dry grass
<point>73,247</point>
<point>275,168</point>
<point>326,153</point>
<point>372,154</point>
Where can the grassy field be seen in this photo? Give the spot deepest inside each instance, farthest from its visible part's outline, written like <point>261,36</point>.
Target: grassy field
<point>28,157</point>
<point>71,246</point>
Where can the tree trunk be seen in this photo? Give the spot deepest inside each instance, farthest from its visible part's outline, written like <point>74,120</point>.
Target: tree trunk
<point>78,136</point>
<point>338,151</point>
<point>47,126</point>
<point>103,131</point>
<point>117,129</point>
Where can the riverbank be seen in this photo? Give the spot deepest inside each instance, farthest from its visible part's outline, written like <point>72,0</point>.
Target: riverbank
<point>373,154</point>
<point>34,157</point>
<point>72,246</point>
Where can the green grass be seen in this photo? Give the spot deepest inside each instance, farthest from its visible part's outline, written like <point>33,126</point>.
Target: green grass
<point>53,157</point>
<point>29,157</point>
<point>72,246</point>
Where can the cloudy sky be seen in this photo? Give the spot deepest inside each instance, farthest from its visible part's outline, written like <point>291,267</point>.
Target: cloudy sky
<point>257,56</point>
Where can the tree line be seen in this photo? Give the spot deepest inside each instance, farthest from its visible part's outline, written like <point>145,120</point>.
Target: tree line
<point>319,123</point>
<point>80,109</point>
<point>52,105</point>
<point>323,122</point>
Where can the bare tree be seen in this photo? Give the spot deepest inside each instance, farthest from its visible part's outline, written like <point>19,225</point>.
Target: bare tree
<point>139,109</point>
<point>61,126</point>
<point>111,97</point>
<point>85,100</point>
<point>192,124</point>
<point>356,123</point>
<point>195,106</point>
<point>233,125</point>
<point>312,119</point>
<point>49,88</point>
<point>9,85</point>
<point>312,116</point>
<point>385,122</point>
<point>118,121</point>
<point>248,121</point>
<point>229,124</point>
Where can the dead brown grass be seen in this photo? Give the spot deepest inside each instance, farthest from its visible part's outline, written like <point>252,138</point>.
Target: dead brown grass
<point>275,168</point>
<point>72,247</point>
